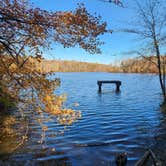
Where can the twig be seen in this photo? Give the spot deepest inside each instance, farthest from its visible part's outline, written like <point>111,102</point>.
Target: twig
<point>24,137</point>
<point>143,159</point>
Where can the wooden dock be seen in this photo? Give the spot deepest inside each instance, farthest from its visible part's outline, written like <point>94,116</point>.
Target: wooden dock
<point>118,84</point>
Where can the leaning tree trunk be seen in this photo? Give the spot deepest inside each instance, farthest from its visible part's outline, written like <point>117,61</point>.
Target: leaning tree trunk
<point>161,74</point>
<point>164,77</point>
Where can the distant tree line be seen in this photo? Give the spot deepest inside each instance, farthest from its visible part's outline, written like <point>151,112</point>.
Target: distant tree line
<point>74,66</point>
<point>141,65</point>
<point>131,65</point>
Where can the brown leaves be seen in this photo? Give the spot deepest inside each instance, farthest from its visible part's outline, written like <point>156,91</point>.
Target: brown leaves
<point>24,32</point>
<point>66,28</point>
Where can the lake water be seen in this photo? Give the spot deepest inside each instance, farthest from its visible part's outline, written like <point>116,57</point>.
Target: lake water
<point>129,121</point>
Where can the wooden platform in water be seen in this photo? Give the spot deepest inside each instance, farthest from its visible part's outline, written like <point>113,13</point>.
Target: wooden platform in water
<point>116,82</point>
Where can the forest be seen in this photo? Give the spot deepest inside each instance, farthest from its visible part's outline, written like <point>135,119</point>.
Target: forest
<point>132,65</point>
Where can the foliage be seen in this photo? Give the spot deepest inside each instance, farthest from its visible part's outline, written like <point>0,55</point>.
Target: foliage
<point>25,27</point>
<point>24,32</point>
<point>6,126</point>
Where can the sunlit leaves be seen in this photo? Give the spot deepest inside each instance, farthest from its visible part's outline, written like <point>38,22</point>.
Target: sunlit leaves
<point>24,32</point>
<point>33,28</point>
<point>35,89</point>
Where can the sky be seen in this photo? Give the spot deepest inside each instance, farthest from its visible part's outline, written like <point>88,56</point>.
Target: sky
<point>116,44</point>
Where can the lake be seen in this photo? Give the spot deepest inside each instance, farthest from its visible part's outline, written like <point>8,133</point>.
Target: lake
<point>129,121</point>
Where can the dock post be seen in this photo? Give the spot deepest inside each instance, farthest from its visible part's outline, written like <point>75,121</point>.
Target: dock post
<point>118,84</point>
<point>99,88</point>
<point>117,87</point>
<point>99,84</point>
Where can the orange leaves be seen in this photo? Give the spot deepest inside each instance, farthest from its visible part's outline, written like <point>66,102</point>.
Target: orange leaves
<point>30,28</point>
<point>9,121</point>
<point>69,116</point>
<point>37,93</point>
<point>53,105</point>
<point>65,17</point>
<point>13,67</point>
<point>44,128</point>
<point>24,32</point>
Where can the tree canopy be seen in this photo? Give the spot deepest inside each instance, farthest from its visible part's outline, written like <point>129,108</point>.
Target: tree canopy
<point>24,32</point>
<point>26,28</point>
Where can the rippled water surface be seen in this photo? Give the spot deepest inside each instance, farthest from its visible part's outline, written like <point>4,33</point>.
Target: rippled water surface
<point>129,121</point>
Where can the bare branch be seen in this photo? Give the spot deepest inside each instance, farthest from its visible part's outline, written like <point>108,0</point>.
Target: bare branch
<point>116,2</point>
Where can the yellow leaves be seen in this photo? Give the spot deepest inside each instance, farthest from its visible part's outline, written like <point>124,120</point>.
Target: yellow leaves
<point>47,98</point>
<point>13,67</point>
<point>52,102</point>
<point>9,121</point>
<point>53,105</point>
<point>54,110</point>
<point>24,137</point>
<point>44,128</point>
<point>28,30</point>
<point>67,112</point>
<point>37,91</point>
<point>68,116</point>
<point>6,126</point>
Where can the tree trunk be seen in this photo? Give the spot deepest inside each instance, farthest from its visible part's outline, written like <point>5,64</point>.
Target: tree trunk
<point>161,75</point>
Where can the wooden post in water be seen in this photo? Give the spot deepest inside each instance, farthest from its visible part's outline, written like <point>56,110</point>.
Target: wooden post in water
<point>118,84</point>
<point>99,84</point>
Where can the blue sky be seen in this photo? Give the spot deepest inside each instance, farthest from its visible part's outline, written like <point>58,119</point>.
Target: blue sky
<point>115,44</point>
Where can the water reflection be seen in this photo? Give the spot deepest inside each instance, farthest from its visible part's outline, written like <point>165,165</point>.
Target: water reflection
<point>111,122</point>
